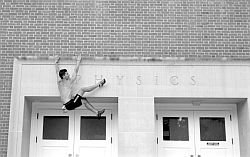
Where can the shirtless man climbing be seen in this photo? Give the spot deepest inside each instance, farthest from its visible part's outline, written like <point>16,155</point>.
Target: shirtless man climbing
<point>66,88</point>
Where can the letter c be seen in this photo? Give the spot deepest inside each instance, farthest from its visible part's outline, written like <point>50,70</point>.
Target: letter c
<point>174,80</point>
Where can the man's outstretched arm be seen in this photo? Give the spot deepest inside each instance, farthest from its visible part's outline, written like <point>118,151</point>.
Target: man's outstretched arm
<point>78,61</point>
<point>57,67</point>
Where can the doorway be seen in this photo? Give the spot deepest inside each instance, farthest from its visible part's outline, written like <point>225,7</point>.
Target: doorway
<point>194,133</point>
<point>77,133</point>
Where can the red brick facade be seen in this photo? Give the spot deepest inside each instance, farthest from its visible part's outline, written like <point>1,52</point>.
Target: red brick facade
<point>192,29</point>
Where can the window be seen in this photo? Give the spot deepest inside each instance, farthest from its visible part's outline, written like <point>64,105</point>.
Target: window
<point>55,127</point>
<point>93,128</point>
<point>175,129</point>
<point>212,129</point>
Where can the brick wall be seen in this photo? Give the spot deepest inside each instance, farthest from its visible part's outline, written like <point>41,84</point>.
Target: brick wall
<point>194,29</point>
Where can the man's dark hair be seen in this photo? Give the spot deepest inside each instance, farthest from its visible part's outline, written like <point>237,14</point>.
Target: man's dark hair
<point>62,73</point>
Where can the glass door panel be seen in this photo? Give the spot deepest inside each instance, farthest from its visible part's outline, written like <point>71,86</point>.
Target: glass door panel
<point>55,127</point>
<point>175,136</point>
<point>213,133</point>
<point>175,129</point>
<point>55,134</point>
<point>92,134</point>
<point>93,128</point>
<point>212,129</point>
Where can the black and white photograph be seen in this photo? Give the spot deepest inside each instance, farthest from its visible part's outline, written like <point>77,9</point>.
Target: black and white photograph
<point>124,78</point>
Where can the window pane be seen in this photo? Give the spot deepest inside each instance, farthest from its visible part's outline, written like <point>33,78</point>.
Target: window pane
<point>175,129</point>
<point>55,127</point>
<point>212,129</point>
<point>93,128</point>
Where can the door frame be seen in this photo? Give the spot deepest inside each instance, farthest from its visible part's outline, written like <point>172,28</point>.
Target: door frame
<point>231,108</point>
<point>37,106</point>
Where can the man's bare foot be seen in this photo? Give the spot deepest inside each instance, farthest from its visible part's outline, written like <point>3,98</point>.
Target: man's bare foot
<point>100,113</point>
<point>102,83</point>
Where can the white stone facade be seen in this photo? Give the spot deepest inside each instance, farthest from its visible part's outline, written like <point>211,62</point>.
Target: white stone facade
<point>138,89</point>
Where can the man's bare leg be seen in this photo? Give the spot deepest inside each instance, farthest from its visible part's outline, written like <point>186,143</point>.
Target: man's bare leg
<point>92,108</point>
<point>91,88</point>
<point>86,102</point>
<point>89,106</point>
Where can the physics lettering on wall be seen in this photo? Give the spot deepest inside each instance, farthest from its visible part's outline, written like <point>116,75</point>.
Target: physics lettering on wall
<point>173,80</point>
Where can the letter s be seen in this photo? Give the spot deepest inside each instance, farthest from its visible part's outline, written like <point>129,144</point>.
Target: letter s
<point>138,82</point>
<point>193,82</point>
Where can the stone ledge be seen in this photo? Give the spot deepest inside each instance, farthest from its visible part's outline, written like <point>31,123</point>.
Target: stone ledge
<point>135,59</point>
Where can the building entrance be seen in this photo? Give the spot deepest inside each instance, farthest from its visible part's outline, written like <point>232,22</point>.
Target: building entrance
<point>195,134</point>
<point>73,134</point>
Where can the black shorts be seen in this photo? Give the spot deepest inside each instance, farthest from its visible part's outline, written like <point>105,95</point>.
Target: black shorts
<point>74,103</point>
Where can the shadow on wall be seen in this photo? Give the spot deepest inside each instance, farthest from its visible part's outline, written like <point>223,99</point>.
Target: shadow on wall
<point>244,127</point>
